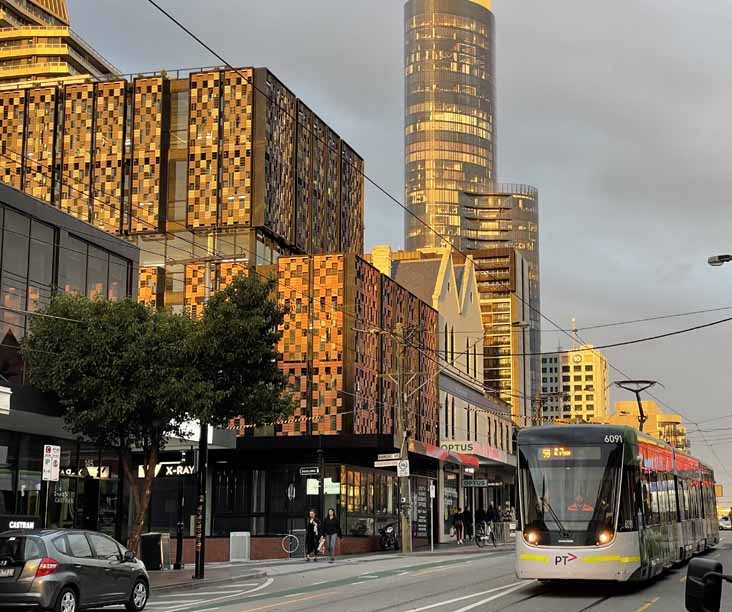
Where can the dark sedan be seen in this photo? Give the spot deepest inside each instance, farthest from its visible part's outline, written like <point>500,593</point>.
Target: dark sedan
<point>66,570</point>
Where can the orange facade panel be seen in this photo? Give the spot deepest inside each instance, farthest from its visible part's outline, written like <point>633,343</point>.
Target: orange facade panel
<point>236,149</point>
<point>196,288</point>
<point>77,143</point>
<point>12,120</point>
<point>228,271</point>
<point>147,156</point>
<point>203,149</point>
<point>151,286</point>
<point>40,129</point>
<point>109,149</point>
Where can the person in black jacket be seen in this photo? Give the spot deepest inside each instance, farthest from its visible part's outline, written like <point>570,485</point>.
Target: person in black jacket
<point>313,536</point>
<point>331,531</point>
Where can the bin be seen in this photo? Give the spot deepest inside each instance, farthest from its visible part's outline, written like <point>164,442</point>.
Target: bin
<point>240,546</point>
<point>155,551</point>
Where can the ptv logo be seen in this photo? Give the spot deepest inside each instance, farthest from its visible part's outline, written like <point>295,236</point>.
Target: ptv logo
<point>564,559</point>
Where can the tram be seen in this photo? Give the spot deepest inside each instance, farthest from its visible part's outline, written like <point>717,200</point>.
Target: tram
<point>601,502</point>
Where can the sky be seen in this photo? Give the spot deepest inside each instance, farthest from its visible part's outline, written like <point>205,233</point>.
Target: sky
<point>618,112</point>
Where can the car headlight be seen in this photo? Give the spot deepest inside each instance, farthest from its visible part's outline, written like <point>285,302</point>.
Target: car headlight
<point>604,537</point>
<point>532,537</point>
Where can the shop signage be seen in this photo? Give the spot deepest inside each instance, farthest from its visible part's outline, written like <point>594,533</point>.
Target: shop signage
<point>388,456</point>
<point>51,462</point>
<point>475,482</point>
<point>311,470</point>
<point>5,393</point>
<point>330,487</point>
<point>403,468</point>
<point>17,522</point>
<point>312,486</point>
<point>387,463</point>
<point>168,469</point>
<point>477,449</point>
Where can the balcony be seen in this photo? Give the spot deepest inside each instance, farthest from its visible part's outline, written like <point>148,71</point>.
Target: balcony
<point>30,50</point>
<point>34,31</point>
<point>40,70</point>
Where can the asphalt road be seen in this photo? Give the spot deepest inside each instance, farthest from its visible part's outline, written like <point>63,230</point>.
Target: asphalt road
<point>454,583</point>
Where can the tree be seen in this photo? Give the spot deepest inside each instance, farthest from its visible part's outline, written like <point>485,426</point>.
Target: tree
<point>124,375</point>
<point>236,353</point>
<point>130,377</point>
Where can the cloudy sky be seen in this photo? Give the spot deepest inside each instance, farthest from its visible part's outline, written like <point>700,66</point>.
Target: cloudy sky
<point>619,112</point>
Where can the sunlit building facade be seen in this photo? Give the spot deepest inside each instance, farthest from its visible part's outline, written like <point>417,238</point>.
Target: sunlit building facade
<point>208,173</point>
<point>667,427</point>
<point>575,385</point>
<point>450,99</point>
<point>38,46</point>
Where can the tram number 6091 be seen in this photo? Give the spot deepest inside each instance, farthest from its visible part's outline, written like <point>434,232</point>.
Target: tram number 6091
<point>613,439</point>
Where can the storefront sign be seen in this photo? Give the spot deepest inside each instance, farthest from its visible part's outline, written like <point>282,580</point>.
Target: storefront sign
<point>475,482</point>
<point>17,522</point>
<point>330,487</point>
<point>312,486</point>
<point>51,462</point>
<point>479,450</point>
<point>168,469</point>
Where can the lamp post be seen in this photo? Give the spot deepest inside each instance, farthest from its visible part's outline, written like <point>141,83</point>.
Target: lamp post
<point>637,387</point>
<point>719,260</point>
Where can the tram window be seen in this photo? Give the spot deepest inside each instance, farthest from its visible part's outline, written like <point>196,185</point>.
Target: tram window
<point>646,492</point>
<point>629,505</point>
<point>655,508</point>
<point>662,497</point>
<point>673,505</point>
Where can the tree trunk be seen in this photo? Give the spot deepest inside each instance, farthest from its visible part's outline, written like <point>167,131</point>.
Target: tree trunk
<point>141,492</point>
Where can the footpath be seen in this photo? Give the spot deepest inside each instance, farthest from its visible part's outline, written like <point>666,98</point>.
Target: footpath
<point>224,573</point>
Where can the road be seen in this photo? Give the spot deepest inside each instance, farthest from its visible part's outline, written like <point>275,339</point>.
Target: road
<point>448,583</point>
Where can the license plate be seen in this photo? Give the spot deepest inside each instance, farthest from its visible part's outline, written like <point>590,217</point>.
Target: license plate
<point>7,572</point>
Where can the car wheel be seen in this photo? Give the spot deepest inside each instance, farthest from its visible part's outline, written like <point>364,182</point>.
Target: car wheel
<point>138,599</point>
<point>66,601</point>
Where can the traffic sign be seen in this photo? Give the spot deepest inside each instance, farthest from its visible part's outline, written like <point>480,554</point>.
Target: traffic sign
<point>387,463</point>
<point>388,456</point>
<point>403,468</point>
<point>475,482</point>
<point>311,470</point>
<point>433,490</point>
<point>51,462</point>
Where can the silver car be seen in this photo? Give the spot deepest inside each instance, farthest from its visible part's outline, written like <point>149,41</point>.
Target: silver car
<point>65,570</point>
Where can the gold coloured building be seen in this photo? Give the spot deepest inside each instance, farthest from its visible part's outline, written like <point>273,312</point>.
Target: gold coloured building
<point>38,46</point>
<point>667,427</point>
<point>207,172</point>
<point>450,98</point>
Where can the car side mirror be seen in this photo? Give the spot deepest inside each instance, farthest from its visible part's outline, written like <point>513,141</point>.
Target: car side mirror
<point>703,585</point>
<point>128,557</point>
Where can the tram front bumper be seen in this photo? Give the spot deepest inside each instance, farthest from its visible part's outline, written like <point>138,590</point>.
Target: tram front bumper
<point>616,561</point>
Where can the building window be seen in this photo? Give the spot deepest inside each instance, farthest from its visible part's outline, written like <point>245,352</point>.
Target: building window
<point>467,420</point>
<point>98,268</point>
<point>447,420</point>
<point>446,340</point>
<point>565,368</point>
<point>589,368</point>
<point>452,345</point>
<point>475,424</point>
<point>73,266</point>
<point>577,368</point>
<point>452,415</point>
<point>467,355</point>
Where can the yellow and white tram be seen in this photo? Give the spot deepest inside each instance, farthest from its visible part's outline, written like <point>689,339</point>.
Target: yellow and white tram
<point>601,502</point>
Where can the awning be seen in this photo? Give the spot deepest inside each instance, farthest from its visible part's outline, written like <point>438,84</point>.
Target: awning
<point>441,454</point>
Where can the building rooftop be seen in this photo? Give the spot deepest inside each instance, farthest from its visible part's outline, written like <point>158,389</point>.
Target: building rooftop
<point>420,276</point>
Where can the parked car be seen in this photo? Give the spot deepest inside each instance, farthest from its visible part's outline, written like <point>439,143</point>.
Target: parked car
<point>65,570</point>
<point>725,523</point>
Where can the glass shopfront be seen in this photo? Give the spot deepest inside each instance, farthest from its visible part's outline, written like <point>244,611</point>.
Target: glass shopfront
<point>451,499</point>
<point>86,495</point>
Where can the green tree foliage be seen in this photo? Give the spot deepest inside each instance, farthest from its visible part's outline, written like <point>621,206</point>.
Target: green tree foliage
<point>130,377</point>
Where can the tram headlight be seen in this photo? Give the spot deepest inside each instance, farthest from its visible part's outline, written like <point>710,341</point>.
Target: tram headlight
<point>604,537</point>
<point>532,537</point>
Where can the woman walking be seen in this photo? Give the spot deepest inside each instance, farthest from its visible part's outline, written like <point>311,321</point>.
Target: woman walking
<point>331,531</point>
<point>458,525</point>
<point>313,537</point>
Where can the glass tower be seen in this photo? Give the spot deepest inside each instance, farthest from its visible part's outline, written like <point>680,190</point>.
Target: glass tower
<point>450,99</point>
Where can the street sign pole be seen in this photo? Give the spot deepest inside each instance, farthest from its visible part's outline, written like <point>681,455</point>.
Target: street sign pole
<point>201,503</point>
<point>432,517</point>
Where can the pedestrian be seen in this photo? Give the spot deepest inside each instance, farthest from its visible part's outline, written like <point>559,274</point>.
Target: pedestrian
<point>458,525</point>
<point>313,536</point>
<point>331,531</point>
<point>468,522</point>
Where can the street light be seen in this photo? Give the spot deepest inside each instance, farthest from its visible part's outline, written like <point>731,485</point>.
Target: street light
<point>719,260</point>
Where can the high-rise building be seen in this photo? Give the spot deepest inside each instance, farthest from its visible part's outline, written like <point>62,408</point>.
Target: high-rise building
<point>38,46</point>
<point>507,215</point>
<point>450,112</point>
<point>208,173</point>
<point>575,385</point>
<point>450,145</point>
<point>504,288</point>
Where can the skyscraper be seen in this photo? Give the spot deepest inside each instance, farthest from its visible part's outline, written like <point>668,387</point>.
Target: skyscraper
<point>450,98</point>
<point>37,45</point>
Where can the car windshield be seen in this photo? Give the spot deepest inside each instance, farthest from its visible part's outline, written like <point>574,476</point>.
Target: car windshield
<point>569,489</point>
<point>21,548</point>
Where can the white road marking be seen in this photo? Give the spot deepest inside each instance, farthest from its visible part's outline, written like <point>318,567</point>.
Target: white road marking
<point>295,594</point>
<point>368,576</point>
<point>359,582</point>
<point>208,601</point>
<point>197,593</point>
<point>515,585</point>
<point>402,573</point>
<point>492,598</point>
<point>317,583</point>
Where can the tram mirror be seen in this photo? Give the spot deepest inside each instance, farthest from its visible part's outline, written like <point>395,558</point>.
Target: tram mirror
<point>703,591</point>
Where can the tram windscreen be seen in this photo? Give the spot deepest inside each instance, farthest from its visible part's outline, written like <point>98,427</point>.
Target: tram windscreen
<point>568,489</point>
